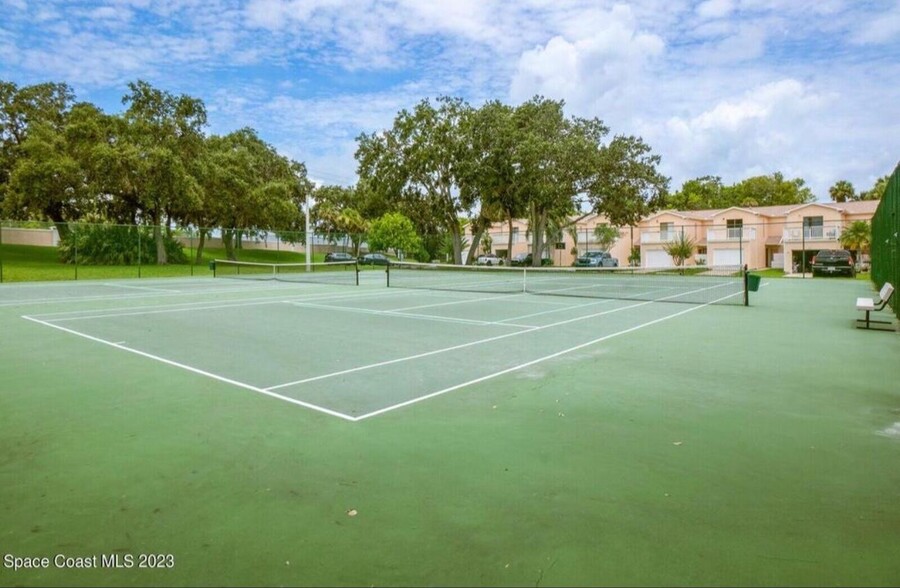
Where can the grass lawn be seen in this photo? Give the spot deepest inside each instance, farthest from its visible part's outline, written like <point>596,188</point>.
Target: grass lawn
<point>27,263</point>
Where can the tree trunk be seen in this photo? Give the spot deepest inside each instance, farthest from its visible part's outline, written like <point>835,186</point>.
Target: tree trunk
<point>457,242</point>
<point>537,237</point>
<point>509,240</point>
<point>476,239</point>
<point>62,229</point>
<point>200,245</point>
<point>161,257</point>
<point>227,241</point>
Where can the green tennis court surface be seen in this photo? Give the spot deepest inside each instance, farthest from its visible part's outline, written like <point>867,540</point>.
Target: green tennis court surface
<point>268,433</point>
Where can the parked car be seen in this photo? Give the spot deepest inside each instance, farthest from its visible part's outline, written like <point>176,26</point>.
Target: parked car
<point>525,259</point>
<point>338,256</point>
<point>833,261</point>
<point>488,260</point>
<point>374,259</point>
<point>596,259</point>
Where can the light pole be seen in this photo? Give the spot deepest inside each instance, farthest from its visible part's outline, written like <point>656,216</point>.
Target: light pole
<point>307,236</point>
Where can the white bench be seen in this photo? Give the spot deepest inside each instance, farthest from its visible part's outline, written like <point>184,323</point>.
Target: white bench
<point>870,305</point>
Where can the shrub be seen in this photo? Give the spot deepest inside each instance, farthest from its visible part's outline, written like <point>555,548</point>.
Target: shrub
<point>115,245</point>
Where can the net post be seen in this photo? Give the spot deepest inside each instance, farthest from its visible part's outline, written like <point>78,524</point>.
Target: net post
<point>746,286</point>
<point>387,272</point>
<point>356,270</point>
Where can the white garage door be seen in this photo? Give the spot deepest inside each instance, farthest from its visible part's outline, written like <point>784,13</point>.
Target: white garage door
<point>726,257</point>
<point>656,258</point>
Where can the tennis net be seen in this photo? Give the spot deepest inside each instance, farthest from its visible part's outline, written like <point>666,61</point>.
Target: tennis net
<point>692,285</point>
<point>338,272</point>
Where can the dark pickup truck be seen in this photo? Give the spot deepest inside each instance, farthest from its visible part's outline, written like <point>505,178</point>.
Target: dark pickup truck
<point>833,261</point>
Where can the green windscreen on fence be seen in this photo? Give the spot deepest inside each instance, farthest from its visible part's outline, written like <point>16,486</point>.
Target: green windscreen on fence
<point>886,238</point>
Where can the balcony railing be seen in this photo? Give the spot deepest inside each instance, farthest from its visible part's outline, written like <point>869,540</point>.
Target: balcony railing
<point>503,238</point>
<point>737,234</point>
<point>823,233</point>
<point>659,236</point>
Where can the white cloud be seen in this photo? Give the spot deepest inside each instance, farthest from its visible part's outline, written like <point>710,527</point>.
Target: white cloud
<point>813,130</point>
<point>746,44</point>
<point>715,8</point>
<point>592,73</point>
<point>756,133</point>
<point>721,87</point>
<point>880,29</point>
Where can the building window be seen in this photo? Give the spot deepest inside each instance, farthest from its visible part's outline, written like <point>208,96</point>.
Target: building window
<point>666,231</point>
<point>735,227</point>
<point>813,227</point>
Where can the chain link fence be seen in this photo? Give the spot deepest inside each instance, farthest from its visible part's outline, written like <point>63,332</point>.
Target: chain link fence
<point>35,251</point>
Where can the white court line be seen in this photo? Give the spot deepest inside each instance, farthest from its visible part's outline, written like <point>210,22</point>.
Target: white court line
<point>569,307</point>
<point>268,391</point>
<point>146,288</point>
<point>180,306</point>
<point>446,349</point>
<point>195,370</point>
<point>165,311</point>
<point>229,287</point>
<point>478,342</point>
<point>452,302</point>
<point>409,315</point>
<point>102,297</point>
<point>533,362</point>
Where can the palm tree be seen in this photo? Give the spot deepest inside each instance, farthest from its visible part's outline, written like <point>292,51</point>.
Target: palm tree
<point>680,249</point>
<point>857,237</point>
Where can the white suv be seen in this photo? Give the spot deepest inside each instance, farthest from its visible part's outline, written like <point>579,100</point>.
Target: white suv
<point>488,260</point>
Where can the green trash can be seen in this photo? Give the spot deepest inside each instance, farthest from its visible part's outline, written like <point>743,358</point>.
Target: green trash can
<point>753,282</point>
<point>212,265</point>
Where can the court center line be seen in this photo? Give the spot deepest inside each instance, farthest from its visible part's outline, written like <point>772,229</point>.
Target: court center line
<point>195,370</point>
<point>533,362</point>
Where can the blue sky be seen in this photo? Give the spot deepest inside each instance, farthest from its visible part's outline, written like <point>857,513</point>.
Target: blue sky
<point>720,87</point>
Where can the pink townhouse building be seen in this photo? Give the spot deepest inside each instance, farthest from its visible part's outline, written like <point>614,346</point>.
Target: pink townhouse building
<point>759,237</point>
